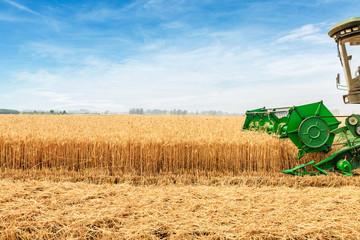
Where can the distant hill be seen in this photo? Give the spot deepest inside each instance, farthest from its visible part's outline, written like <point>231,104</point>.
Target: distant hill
<point>8,111</point>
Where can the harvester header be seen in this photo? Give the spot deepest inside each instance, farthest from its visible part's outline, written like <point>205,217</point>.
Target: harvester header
<point>308,126</point>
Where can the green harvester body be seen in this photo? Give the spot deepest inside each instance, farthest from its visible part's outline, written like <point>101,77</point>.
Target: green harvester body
<point>312,127</point>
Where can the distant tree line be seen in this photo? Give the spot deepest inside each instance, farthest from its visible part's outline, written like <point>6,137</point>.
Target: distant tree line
<point>45,112</point>
<point>178,112</point>
<point>141,111</point>
<point>138,111</point>
<point>8,111</point>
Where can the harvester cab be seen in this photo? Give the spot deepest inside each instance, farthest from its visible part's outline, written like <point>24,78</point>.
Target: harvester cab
<point>312,127</point>
<point>347,36</point>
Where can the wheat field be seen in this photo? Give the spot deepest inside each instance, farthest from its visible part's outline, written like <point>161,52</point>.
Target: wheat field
<point>65,210</point>
<point>162,177</point>
<point>141,145</point>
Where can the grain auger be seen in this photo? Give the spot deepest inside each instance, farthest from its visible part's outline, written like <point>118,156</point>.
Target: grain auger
<point>312,127</point>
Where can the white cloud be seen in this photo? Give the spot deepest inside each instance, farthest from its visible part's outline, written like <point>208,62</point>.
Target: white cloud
<point>21,7</point>
<point>310,32</point>
<point>53,96</point>
<point>46,50</point>
<point>99,15</point>
<point>40,77</point>
<point>175,25</point>
<point>9,18</point>
<point>231,75</point>
<point>213,77</point>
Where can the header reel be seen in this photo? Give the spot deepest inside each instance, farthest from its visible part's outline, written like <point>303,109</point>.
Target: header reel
<point>270,120</point>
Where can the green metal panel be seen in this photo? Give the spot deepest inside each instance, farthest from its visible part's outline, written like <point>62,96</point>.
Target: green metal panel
<point>309,127</point>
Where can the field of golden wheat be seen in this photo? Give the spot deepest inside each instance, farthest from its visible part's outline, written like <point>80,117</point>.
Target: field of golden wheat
<point>141,145</point>
<point>162,177</point>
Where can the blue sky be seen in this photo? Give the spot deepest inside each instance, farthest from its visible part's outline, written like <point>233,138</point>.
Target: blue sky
<point>157,54</point>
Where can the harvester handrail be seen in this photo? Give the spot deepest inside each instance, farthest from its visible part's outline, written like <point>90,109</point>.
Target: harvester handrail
<point>266,112</point>
<point>277,108</point>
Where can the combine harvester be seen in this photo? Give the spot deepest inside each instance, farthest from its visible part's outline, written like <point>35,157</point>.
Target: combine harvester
<point>312,127</point>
